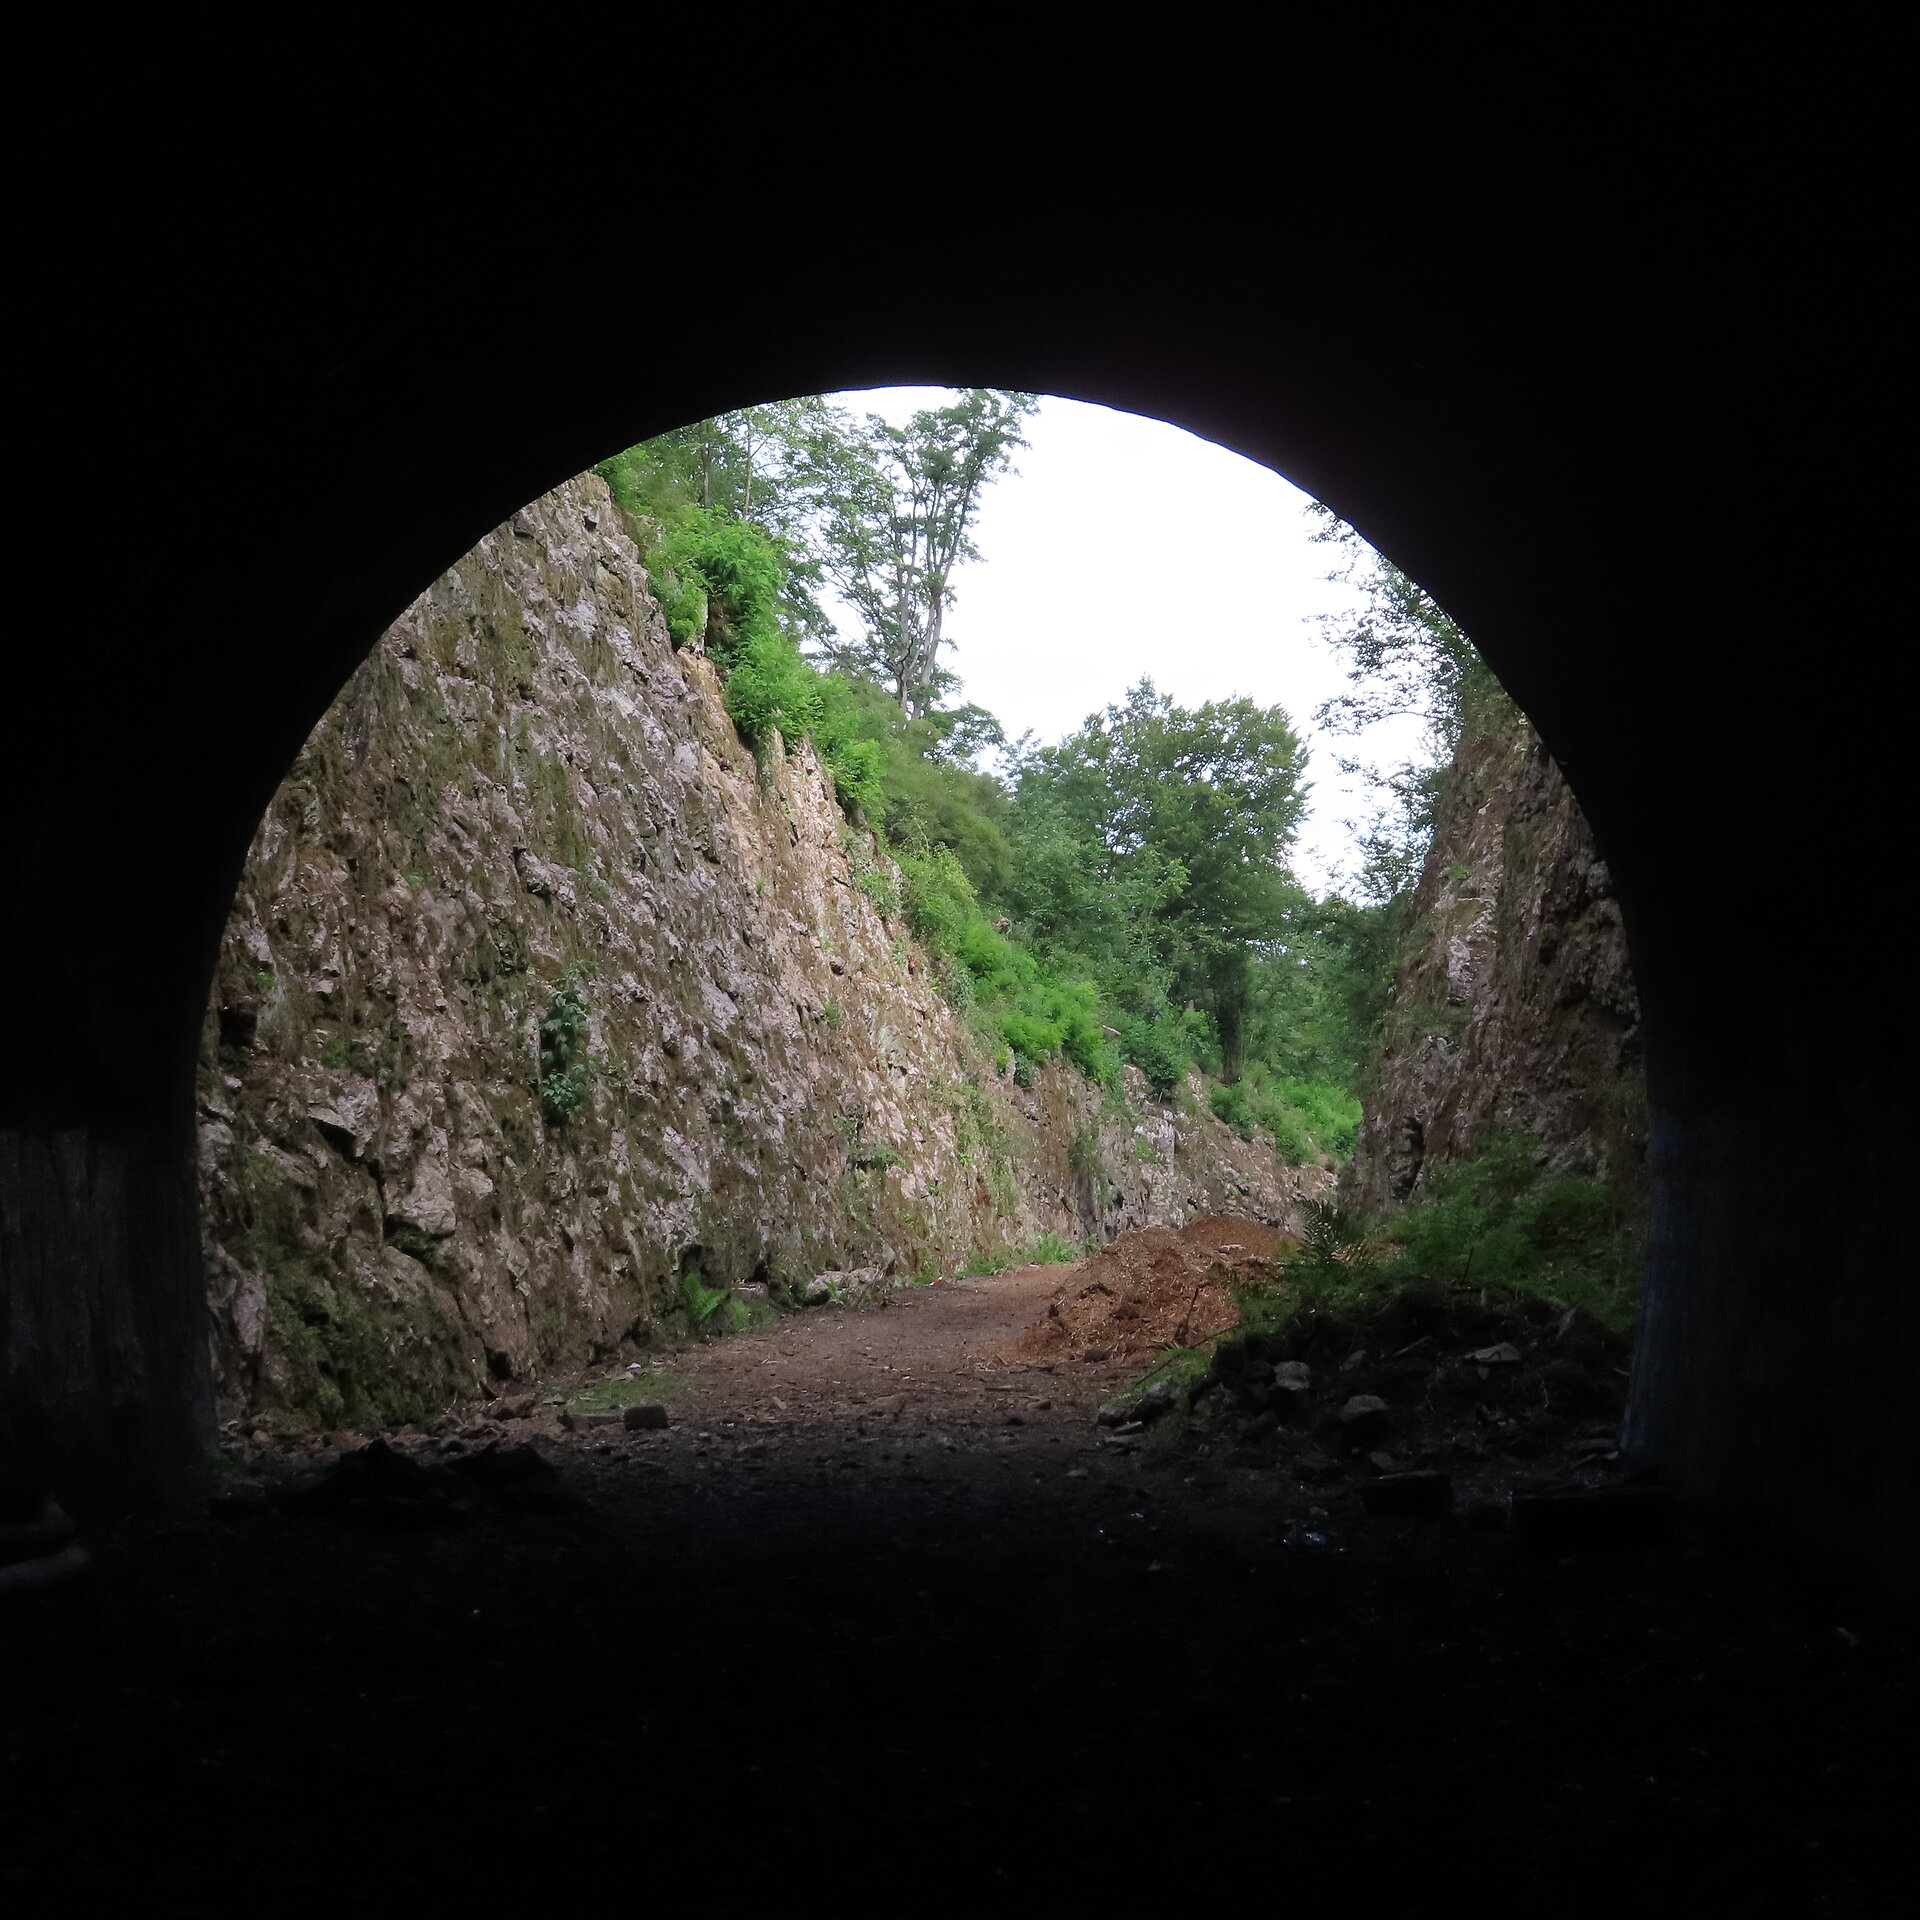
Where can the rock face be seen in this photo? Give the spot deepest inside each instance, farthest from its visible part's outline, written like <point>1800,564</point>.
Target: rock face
<point>1514,1008</point>
<point>527,814</point>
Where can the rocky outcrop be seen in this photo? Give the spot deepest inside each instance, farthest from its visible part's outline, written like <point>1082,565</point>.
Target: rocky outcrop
<point>1514,1008</point>
<point>545,1012</point>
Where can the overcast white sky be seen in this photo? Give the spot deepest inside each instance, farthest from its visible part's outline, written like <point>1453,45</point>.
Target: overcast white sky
<point>1123,546</point>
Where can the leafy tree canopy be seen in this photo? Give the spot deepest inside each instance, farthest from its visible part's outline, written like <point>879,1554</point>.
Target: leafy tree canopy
<point>1195,808</point>
<point>1405,656</point>
<point>892,514</point>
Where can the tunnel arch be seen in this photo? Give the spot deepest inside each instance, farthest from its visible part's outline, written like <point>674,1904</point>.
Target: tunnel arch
<point>1551,472</point>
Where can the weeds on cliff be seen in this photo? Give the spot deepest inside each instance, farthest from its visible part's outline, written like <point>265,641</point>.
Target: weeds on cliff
<point>878,883</point>
<point>1229,1104</point>
<point>1052,1250</point>
<point>726,584</point>
<point>564,1067</point>
<point>344,1053</point>
<point>1508,1220</point>
<point>1083,1155</point>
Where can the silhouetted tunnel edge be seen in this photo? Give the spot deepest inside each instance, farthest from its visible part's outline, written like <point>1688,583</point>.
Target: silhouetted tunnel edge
<point>1771,1401</point>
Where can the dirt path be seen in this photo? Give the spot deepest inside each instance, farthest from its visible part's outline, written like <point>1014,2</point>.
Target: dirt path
<point>1012,1365</point>
<point>921,1369</point>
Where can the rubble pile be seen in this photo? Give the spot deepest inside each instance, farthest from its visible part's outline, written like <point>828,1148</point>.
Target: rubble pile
<point>1156,1288</point>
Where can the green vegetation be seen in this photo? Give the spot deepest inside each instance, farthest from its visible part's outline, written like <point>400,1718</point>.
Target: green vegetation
<point>1120,897</point>
<point>1507,1220</point>
<point>700,1302</point>
<point>623,1390</point>
<point>1050,1250</point>
<point>564,1066</point>
<point>342,1051</point>
<point>1406,655</point>
<point>1149,856</point>
<point>1160,833</point>
<point>1503,1225</point>
<point>1301,1115</point>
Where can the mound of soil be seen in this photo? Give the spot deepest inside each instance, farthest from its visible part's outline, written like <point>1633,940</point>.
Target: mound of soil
<point>1152,1289</point>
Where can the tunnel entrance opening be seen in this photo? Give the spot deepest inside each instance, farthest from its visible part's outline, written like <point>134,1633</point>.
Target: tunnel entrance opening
<point>107,1132</point>
<point>1674,1685</point>
<point>555,811</point>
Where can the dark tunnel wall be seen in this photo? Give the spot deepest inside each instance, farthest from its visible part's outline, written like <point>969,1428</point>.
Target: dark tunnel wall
<point>1573,422</point>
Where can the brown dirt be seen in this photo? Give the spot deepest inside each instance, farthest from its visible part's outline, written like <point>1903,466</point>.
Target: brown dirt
<point>919,1366</point>
<point>1150,1290</point>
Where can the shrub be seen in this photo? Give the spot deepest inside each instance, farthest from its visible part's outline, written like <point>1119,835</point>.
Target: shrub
<point>1229,1103</point>
<point>1161,1047</point>
<point>1507,1219</point>
<point>1310,1121</point>
<point>730,565</point>
<point>564,1068</point>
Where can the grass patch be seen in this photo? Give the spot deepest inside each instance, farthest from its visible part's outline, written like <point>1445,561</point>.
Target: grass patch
<point>979,1265</point>
<point>1050,1250</point>
<point>624,1390</point>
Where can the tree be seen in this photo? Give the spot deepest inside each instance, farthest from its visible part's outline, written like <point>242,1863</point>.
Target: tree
<point>892,511</point>
<point>740,467</point>
<point>1405,655</point>
<point>1192,809</point>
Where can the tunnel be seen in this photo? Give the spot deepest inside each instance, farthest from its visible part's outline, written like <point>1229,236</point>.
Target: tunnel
<point>1565,455</point>
<point>1572,406</point>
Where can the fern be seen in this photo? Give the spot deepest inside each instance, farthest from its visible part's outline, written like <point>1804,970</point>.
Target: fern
<point>700,1302</point>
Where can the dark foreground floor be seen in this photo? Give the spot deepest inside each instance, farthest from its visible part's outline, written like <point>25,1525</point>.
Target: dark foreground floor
<point>801,1685</point>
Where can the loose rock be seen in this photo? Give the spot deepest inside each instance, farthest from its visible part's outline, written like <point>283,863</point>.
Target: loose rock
<point>1158,1399</point>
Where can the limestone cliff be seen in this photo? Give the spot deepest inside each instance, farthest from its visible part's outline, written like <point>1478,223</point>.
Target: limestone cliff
<point>1514,1008</point>
<point>526,808</point>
